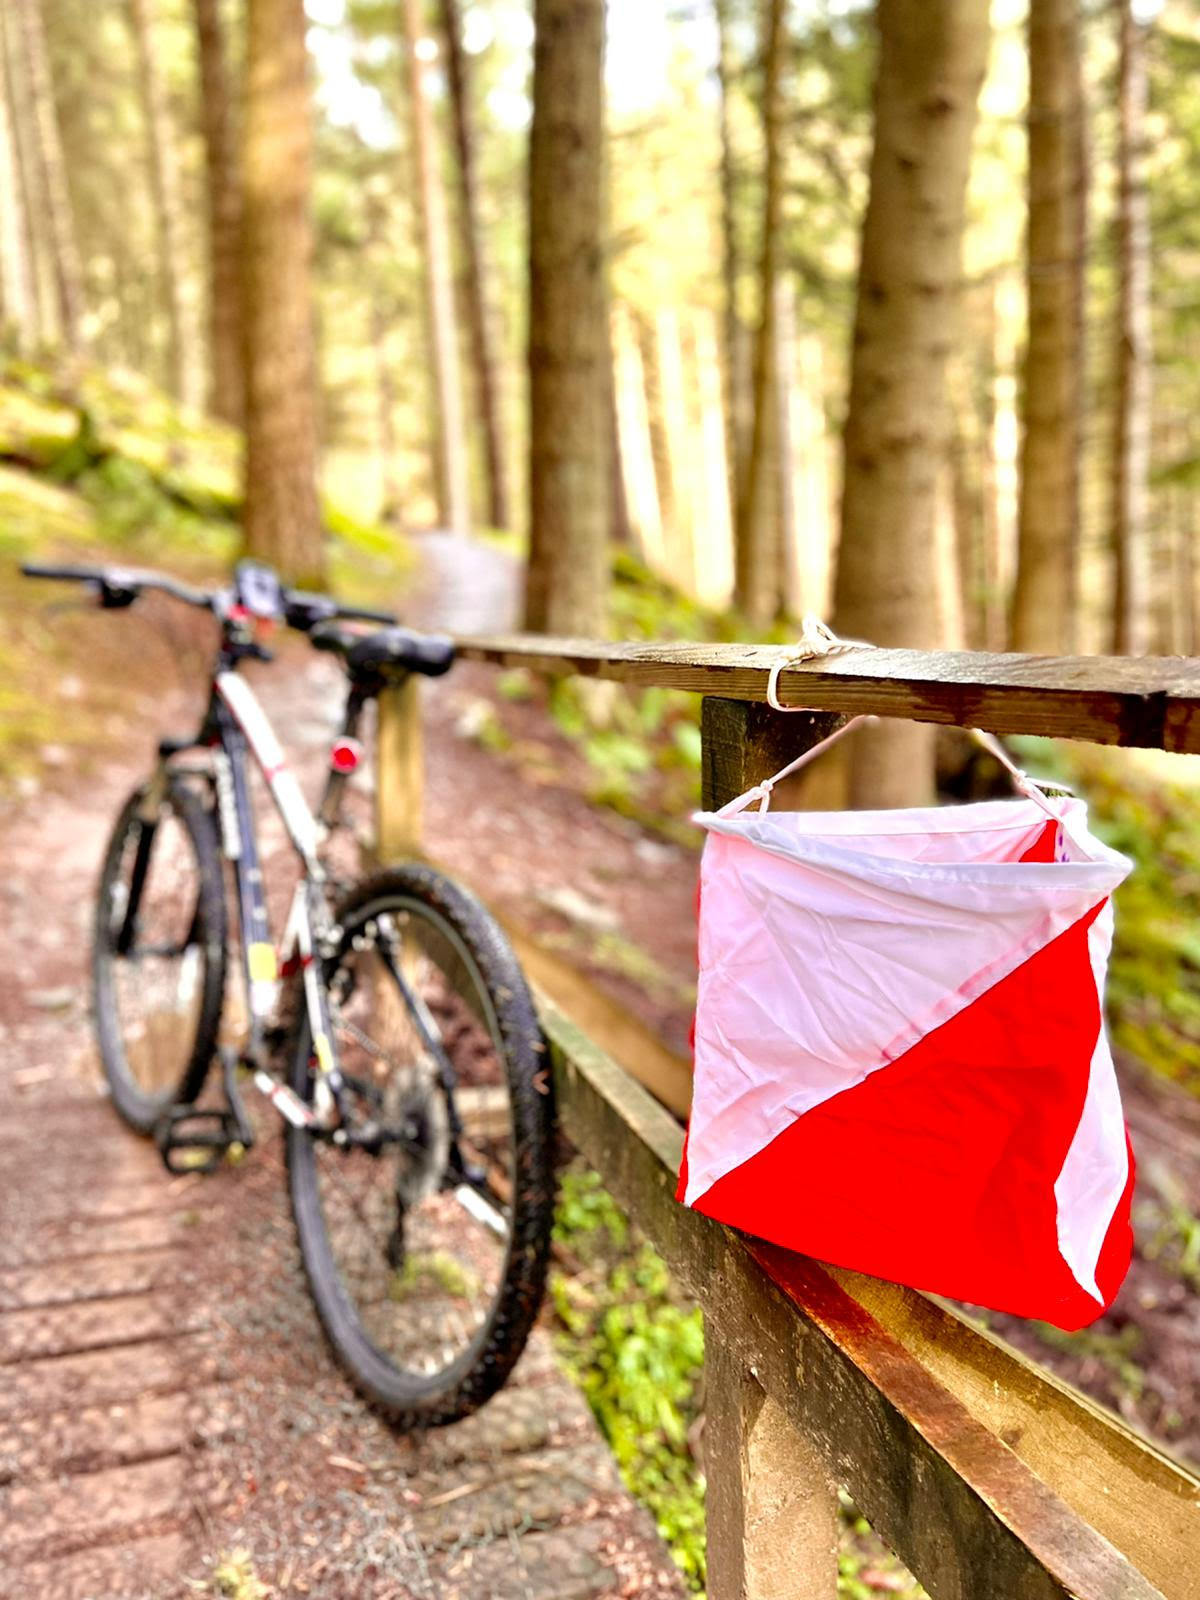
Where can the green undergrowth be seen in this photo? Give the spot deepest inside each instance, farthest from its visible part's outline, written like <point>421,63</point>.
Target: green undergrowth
<point>635,1346</point>
<point>112,471</point>
<point>1147,807</point>
<point>641,746</point>
<point>636,1349</point>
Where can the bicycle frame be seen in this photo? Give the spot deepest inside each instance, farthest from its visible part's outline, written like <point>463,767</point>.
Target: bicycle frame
<point>236,730</point>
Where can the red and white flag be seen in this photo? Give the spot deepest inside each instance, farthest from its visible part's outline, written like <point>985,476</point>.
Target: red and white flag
<point>901,1063</point>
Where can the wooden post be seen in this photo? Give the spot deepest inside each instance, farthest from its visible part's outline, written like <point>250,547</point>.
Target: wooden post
<point>743,741</point>
<point>399,772</point>
<point>772,1517</point>
<point>772,1508</point>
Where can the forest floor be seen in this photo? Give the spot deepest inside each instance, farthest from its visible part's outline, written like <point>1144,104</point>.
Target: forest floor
<point>188,1385</point>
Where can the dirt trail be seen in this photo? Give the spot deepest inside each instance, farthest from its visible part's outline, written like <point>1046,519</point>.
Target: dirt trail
<point>167,1404</point>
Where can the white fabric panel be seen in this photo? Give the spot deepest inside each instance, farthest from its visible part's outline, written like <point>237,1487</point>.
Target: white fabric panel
<point>825,952</point>
<point>1096,1167</point>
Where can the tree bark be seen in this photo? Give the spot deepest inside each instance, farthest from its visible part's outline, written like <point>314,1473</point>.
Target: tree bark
<point>1044,597</point>
<point>759,564</point>
<point>16,281</point>
<point>450,449</point>
<point>569,348</point>
<point>637,453</point>
<point>1131,422</point>
<point>282,517</point>
<point>225,396</point>
<point>52,172</point>
<point>932,59</point>
<point>183,334</point>
<point>737,384</point>
<point>16,89</point>
<point>487,391</point>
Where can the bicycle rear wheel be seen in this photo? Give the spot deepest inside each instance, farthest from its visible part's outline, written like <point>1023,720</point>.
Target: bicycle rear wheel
<point>427,1268</point>
<point>159,954</point>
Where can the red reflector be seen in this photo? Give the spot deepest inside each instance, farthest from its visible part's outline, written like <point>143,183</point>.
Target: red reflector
<point>345,755</point>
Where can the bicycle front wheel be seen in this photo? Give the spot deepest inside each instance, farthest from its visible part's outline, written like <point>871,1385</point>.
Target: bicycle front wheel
<point>426,1254</point>
<point>159,954</point>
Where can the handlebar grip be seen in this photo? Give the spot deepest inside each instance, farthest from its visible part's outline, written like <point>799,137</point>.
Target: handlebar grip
<point>362,614</point>
<point>37,569</point>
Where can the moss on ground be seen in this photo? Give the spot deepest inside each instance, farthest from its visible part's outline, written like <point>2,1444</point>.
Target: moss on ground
<point>115,472</point>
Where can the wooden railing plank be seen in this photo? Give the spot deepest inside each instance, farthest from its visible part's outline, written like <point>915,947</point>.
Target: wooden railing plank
<point>907,1448</point>
<point>1133,1492</point>
<point>1150,702</point>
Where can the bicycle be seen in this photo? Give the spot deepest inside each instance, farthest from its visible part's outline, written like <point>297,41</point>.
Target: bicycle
<point>415,1086</point>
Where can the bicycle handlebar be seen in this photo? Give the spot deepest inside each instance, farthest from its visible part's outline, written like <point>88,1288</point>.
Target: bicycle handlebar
<point>121,586</point>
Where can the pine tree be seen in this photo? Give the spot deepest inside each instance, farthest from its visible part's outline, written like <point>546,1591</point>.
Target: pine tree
<point>569,346</point>
<point>1131,421</point>
<point>183,333</point>
<point>932,59</point>
<point>487,395</point>
<point>54,194</point>
<point>1043,607</point>
<point>757,531</point>
<point>453,496</point>
<point>282,517</point>
<point>224,216</point>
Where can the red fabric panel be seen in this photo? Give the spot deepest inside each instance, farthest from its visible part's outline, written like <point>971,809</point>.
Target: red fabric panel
<point>1044,846</point>
<point>938,1170</point>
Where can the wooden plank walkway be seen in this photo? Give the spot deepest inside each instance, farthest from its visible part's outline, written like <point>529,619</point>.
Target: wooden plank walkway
<point>166,1399</point>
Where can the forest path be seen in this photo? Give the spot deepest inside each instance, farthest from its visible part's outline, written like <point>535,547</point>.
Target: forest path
<point>168,1410</point>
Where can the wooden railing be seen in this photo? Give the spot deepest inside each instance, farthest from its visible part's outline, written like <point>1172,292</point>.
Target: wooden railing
<point>985,1475</point>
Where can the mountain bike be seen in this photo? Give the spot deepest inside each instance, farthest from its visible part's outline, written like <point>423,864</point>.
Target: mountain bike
<point>392,1030</point>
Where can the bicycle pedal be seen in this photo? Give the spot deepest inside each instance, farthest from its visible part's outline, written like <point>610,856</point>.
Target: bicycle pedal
<point>189,1140</point>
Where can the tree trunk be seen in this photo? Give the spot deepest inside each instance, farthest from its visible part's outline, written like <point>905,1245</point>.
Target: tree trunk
<point>637,454</point>
<point>391,497</point>
<point>16,91</point>
<point>680,453</point>
<point>1131,430</point>
<point>487,396</point>
<point>786,506</point>
<point>737,377</point>
<point>225,396</point>
<point>52,171</point>
<point>569,348</point>
<point>932,59</point>
<point>282,517</point>
<point>714,549</point>
<point>16,281</point>
<point>450,448</point>
<point>1048,522</point>
<point>183,334</point>
<point>759,591</point>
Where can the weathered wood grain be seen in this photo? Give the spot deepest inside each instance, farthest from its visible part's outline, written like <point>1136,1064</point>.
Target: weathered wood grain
<point>1150,702</point>
<point>771,1507</point>
<point>400,772</point>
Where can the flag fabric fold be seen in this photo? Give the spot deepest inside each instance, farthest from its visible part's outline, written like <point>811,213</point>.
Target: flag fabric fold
<point>901,1063</point>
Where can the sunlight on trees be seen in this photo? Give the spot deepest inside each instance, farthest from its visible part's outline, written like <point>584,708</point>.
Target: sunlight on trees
<point>714,250</point>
